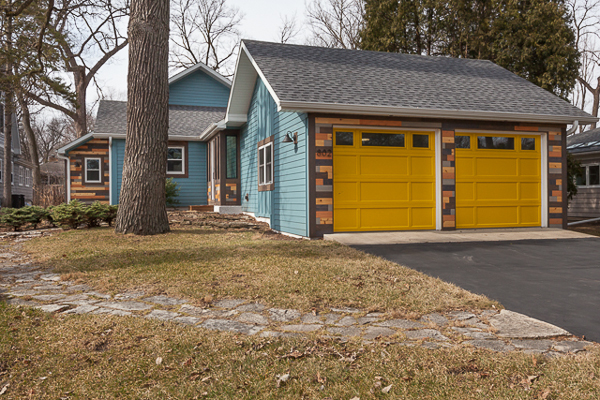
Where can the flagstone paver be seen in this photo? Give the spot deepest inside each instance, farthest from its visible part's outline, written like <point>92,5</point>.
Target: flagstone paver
<point>21,282</point>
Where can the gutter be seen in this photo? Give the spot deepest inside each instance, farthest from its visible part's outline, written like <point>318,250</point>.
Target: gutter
<point>573,128</point>
<point>212,130</point>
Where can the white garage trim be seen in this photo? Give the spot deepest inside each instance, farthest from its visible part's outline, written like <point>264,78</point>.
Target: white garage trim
<point>438,180</point>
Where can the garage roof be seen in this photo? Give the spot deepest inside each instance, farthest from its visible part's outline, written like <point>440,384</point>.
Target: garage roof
<point>306,78</point>
<point>584,142</point>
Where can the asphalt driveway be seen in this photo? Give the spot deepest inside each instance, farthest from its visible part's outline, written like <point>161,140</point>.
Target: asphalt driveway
<point>557,281</point>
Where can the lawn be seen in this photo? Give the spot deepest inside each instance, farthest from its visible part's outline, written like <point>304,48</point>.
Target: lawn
<point>44,356</point>
<point>202,264</point>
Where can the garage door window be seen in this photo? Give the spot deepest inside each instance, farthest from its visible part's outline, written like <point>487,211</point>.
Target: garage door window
<point>421,141</point>
<point>383,139</point>
<point>344,138</point>
<point>527,144</point>
<point>495,142</point>
<point>462,142</point>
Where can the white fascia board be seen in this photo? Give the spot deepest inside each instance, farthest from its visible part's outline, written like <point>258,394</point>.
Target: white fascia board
<point>200,66</point>
<point>212,130</point>
<point>236,119</point>
<point>75,143</point>
<point>429,113</point>
<point>262,76</point>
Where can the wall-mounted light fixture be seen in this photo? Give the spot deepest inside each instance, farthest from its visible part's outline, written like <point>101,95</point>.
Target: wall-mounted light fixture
<point>291,137</point>
<point>77,164</point>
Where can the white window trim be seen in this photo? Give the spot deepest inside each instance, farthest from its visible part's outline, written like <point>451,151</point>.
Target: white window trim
<point>27,177</point>
<point>587,175</point>
<point>85,170</point>
<point>12,173</point>
<point>265,183</point>
<point>21,175</point>
<point>174,159</point>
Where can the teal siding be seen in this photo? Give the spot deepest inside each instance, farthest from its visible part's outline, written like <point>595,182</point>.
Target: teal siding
<point>286,205</point>
<point>198,89</point>
<point>192,190</point>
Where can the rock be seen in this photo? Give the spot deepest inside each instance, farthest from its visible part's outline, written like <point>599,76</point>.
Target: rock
<point>48,287</point>
<point>346,321</point>
<point>75,297</point>
<point>99,295</point>
<point>163,315</point>
<point>434,345</point>
<point>228,303</point>
<point>434,318</point>
<point>252,307</point>
<point>475,323</point>
<point>129,295</point>
<point>231,326</point>
<point>85,309</point>
<point>187,320</point>
<point>272,334</point>
<point>50,277</point>
<point>85,288</point>
<point>488,313</point>
<point>310,318</point>
<point>330,318</point>
<point>460,315</point>
<point>372,332</point>
<point>125,305</point>
<point>253,318</point>
<point>283,315</point>
<point>49,297</point>
<point>118,313</point>
<point>473,333</point>
<point>530,344</point>
<point>300,328</point>
<point>347,331</point>
<point>80,302</point>
<point>495,345</point>
<point>367,320</point>
<point>375,315</point>
<point>21,293</point>
<point>425,334</point>
<point>571,347</point>
<point>513,325</point>
<point>193,310</point>
<point>52,308</point>
<point>164,300</point>
<point>22,303</point>
<point>348,310</point>
<point>400,323</point>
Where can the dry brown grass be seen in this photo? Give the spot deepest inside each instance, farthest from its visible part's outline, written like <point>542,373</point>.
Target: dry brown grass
<point>46,356</point>
<point>197,263</point>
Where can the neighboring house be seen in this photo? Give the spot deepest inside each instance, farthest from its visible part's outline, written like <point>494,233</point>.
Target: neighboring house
<point>585,147</point>
<point>53,172</point>
<point>21,177</point>
<point>318,140</point>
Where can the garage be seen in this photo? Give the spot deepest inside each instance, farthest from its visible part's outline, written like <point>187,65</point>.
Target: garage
<point>383,180</point>
<point>498,180</point>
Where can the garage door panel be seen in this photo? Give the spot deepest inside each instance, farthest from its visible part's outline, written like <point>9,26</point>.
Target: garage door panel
<point>388,164</point>
<point>422,191</point>
<point>421,166</point>
<point>531,215</point>
<point>466,190</point>
<point>345,165</point>
<point>497,191</point>
<point>348,191</point>
<point>529,167</point>
<point>346,219</point>
<point>422,217</point>
<point>384,191</point>
<point>392,218</point>
<point>530,190</point>
<point>466,166</point>
<point>495,166</point>
<point>466,215</point>
<point>497,216</point>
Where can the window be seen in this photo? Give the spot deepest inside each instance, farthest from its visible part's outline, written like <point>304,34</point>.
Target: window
<point>265,164</point>
<point>12,173</point>
<point>421,141</point>
<point>344,138</point>
<point>92,170</point>
<point>496,142</point>
<point>175,160</point>
<point>383,139</point>
<point>1,169</point>
<point>527,144</point>
<point>590,176</point>
<point>27,177</point>
<point>231,153</point>
<point>21,173</point>
<point>462,142</point>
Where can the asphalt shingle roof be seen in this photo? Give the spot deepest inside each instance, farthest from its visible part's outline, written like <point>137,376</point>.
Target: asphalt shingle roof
<point>357,77</point>
<point>183,120</point>
<point>584,142</point>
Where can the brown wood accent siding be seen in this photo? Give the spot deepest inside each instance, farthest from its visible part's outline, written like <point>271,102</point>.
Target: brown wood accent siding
<point>321,162</point>
<point>89,192</point>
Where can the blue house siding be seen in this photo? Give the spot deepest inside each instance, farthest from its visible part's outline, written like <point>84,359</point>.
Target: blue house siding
<point>198,89</point>
<point>192,190</point>
<point>286,205</point>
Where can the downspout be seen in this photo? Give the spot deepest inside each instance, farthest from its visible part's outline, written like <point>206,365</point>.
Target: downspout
<point>110,171</point>
<point>68,177</point>
<point>573,128</point>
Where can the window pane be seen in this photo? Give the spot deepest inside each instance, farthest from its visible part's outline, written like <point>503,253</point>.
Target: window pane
<point>231,157</point>
<point>344,138</point>
<point>261,156</point>
<point>594,174</point>
<point>93,164</point>
<point>421,141</point>
<point>268,152</point>
<point>93,175</point>
<point>175,153</point>
<point>269,173</point>
<point>261,174</point>
<point>580,179</point>
<point>383,139</point>
<point>174,166</point>
<point>527,144</point>
<point>496,142</point>
<point>462,142</point>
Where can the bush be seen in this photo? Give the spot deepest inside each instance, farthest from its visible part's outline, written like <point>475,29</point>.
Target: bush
<point>172,191</point>
<point>69,214</point>
<point>99,212</point>
<point>19,217</point>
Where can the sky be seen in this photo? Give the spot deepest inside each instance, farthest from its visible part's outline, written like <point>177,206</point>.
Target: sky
<point>261,21</point>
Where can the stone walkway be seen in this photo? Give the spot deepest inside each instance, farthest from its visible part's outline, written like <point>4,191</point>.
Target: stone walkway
<point>24,284</point>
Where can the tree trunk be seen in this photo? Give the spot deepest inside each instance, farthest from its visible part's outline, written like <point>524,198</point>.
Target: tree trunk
<point>142,208</point>
<point>80,120</point>
<point>9,109</point>
<point>33,148</point>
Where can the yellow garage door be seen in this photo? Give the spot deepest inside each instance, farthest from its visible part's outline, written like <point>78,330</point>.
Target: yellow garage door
<point>383,180</point>
<point>498,180</point>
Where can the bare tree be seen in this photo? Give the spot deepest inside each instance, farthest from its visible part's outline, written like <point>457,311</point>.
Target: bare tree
<point>142,209</point>
<point>289,29</point>
<point>88,34</point>
<point>336,23</point>
<point>204,31</point>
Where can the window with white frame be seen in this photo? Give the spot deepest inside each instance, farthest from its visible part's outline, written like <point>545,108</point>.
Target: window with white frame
<point>1,169</point>
<point>21,173</point>
<point>93,170</point>
<point>12,173</point>
<point>176,160</point>
<point>27,177</point>
<point>265,164</point>
<point>590,176</point>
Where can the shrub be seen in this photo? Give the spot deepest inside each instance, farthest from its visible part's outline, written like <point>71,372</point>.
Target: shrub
<point>69,214</point>
<point>172,191</point>
<point>99,212</point>
<point>19,217</point>
<point>110,213</point>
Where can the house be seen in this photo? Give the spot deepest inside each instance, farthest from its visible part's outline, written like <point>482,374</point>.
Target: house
<point>21,177</point>
<point>53,172</point>
<point>585,147</point>
<point>316,141</point>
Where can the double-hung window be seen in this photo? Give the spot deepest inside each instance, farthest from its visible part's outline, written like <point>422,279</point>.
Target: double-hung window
<point>590,176</point>
<point>176,161</point>
<point>27,177</point>
<point>21,173</point>
<point>265,166</point>
<point>93,171</point>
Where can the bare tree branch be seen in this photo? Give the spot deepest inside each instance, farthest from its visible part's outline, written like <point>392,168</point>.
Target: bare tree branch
<point>288,29</point>
<point>336,23</point>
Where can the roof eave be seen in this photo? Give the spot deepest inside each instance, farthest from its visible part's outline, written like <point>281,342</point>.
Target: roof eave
<point>214,74</point>
<point>431,113</point>
<point>212,130</point>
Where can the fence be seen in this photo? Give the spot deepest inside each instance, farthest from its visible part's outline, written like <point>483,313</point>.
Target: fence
<point>50,195</point>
